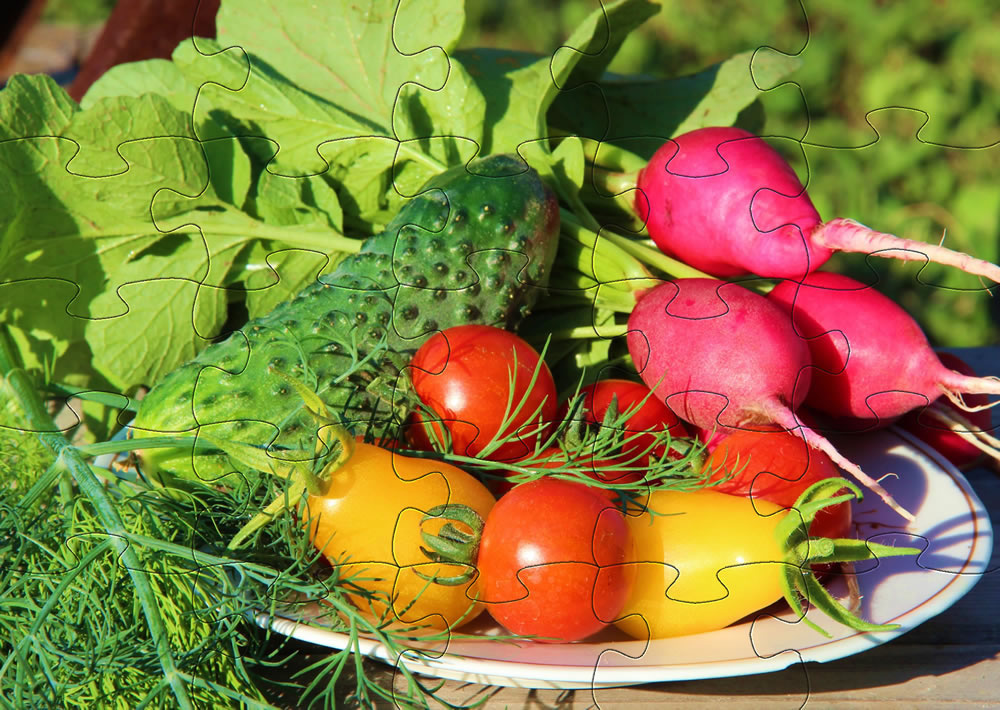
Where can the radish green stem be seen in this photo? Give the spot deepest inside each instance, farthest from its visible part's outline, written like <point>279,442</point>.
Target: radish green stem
<point>656,258</point>
<point>630,251</point>
<point>605,249</point>
<point>614,183</point>
<point>595,297</point>
<point>587,333</point>
<point>610,156</point>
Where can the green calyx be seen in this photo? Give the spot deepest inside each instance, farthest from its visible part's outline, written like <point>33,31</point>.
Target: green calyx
<point>452,545</point>
<point>334,447</point>
<point>803,551</point>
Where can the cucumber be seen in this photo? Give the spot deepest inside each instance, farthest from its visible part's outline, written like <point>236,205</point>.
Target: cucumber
<point>475,246</point>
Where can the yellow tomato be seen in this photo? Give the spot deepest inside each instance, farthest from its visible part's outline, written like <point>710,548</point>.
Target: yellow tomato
<point>369,526</point>
<point>705,560</point>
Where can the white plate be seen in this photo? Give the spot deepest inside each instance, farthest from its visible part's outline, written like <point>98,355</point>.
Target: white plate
<point>950,520</point>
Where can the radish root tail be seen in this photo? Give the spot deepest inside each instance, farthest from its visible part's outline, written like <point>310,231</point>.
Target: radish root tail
<point>954,385</point>
<point>788,420</point>
<point>957,424</point>
<point>850,236</point>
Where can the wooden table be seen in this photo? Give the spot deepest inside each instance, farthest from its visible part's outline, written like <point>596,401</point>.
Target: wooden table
<point>952,660</point>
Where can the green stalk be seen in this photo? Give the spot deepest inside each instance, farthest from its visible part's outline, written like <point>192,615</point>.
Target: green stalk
<point>627,254</point>
<point>153,442</point>
<point>321,238</point>
<point>108,399</point>
<point>606,155</point>
<point>39,420</point>
<point>614,183</point>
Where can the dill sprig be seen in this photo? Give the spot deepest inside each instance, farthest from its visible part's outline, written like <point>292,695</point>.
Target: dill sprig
<point>116,591</point>
<point>121,594</point>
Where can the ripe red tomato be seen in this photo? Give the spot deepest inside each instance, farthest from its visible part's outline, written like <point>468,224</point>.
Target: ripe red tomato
<point>463,374</point>
<point>552,561</point>
<point>777,466</point>
<point>652,416</point>
<point>949,444</point>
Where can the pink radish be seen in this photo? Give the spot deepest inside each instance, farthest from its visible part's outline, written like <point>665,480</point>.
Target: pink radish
<point>872,361</point>
<point>721,356</point>
<point>937,427</point>
<point>725,202</point>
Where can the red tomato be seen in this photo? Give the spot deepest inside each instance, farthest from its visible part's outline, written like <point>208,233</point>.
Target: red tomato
<point>778,466</point>
<point>552,561</point>
<point>710,439</point>
<point>463,374</point>
<point>652,416</point>
<point>949,444</point>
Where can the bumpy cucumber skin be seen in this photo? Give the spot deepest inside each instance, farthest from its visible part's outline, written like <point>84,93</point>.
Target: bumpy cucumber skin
<point>476,246</point>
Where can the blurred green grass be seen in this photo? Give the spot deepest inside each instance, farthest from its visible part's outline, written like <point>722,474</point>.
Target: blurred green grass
<point>938,61</point>
<point>77,11</point>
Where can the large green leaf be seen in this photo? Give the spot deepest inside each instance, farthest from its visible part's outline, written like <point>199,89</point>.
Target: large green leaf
<point>661,108</point>
<point>520,86</point>
<point>116,245</point>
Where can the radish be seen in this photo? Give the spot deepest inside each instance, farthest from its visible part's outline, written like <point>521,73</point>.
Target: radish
<point>720,356</point>
<point>872,362</point>
<point>952,432</point>
<point>725,202</point>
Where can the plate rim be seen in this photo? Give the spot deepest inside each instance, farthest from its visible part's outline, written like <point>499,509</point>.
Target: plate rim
<point>449,665</point>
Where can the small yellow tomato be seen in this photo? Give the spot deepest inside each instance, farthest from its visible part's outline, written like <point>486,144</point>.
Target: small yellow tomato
<point>705,560</point>
<point>369,525</point>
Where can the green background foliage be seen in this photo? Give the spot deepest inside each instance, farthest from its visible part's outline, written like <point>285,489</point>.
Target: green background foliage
<point>916,170</point>
<point>890,117</point>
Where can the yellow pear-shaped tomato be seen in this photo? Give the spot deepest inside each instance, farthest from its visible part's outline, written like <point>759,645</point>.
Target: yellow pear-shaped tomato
<point>703,561</point>
<point>369,525</point>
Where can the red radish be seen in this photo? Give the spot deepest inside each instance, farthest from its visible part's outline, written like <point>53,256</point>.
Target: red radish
<point>932,426</point>
<point>721,356</point>
<point>871,360</point>
<point>725,202</point>
<point>712,438</point>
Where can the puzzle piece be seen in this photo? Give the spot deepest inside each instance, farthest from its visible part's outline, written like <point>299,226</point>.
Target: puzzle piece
<point>295,150</point>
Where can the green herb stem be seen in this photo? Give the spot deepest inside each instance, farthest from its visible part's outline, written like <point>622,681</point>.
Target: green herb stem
<point>40,420</point>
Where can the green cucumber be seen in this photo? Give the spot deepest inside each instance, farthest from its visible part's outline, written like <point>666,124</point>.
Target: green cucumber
<point>475,246</point>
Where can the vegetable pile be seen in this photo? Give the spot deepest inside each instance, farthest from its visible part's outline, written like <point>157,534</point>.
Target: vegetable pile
<point>407,370</point>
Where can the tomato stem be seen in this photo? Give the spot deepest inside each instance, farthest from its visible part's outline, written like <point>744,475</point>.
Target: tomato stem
<point>802,551</point>
<point>451,545</point>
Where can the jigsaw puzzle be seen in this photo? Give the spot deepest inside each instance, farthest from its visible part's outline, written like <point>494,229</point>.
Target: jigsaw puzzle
<point>493,367</point>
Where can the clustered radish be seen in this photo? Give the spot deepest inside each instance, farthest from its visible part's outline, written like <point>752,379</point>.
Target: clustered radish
<point>721,356</point>
<point>958,435</point>
<point>871,361</point>
<point>723,201</point>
